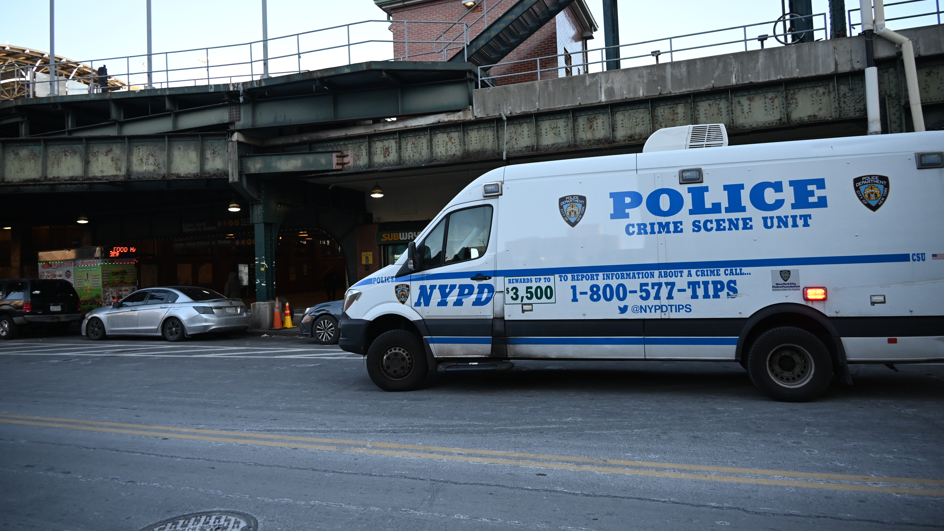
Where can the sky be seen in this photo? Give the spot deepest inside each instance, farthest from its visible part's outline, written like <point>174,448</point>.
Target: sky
<point>98,29</point>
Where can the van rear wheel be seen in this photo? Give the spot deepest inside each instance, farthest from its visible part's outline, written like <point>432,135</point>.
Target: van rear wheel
<point>396,361</point>
<point>790,364</point>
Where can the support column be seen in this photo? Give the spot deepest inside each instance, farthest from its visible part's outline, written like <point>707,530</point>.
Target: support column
<point>803,26</point>
<point>611,34</point>
<point>265,219</point>
<point>837,19</point>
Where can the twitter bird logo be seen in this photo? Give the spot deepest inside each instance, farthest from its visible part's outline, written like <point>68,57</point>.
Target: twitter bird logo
<point>622,309</point>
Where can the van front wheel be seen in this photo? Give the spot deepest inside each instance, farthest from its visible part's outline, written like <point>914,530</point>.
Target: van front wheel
<point>396,361</point>
<point>790,364</point>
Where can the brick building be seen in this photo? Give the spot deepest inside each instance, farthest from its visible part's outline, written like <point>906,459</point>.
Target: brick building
<point>433,30</point>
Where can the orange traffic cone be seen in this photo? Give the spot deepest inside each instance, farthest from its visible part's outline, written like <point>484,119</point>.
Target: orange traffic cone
<point>288,318</point>
<point>276,318</point>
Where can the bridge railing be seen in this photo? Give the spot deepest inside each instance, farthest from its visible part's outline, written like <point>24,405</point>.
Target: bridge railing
<point>312,50</point>
<point>679,47</point>
<point>689,46</point>
<point>897,11</point>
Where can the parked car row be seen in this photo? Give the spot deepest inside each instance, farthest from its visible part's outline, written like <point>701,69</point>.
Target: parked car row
<point>174,312</point>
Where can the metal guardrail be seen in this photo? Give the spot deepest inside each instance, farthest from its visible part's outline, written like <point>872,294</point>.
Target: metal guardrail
<point>485,76</point>
<point>229,63</point>
<point>556,64</point>
<point>244,62</point>
<point>936,12</point>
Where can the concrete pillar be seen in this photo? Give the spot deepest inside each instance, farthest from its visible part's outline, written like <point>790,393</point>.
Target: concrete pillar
<point>367,251</point>
<point>16,250</point>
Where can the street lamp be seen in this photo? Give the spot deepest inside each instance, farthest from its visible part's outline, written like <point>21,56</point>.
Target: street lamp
<point>377,192</point>
<point>233,206</point>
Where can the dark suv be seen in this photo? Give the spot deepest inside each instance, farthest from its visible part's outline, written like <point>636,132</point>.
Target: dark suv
<point>26,302</point>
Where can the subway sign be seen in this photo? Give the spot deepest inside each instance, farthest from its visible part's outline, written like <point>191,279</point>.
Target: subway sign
<point>392,237</point>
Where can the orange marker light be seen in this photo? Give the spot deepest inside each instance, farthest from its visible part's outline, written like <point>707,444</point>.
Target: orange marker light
<point>814,294</point>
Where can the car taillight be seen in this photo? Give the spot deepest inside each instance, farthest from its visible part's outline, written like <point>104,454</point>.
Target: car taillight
<point>814,294</point>
<point>27,307</point>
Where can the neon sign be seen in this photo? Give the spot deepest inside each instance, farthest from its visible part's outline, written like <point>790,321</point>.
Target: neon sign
<point>116,251</point>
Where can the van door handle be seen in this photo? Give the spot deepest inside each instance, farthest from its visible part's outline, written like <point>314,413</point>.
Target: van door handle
<point>480,277</point>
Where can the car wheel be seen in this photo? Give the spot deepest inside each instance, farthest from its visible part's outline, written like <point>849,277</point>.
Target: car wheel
<point>8,329</point>
<point>325,330</point>
<point>173,329</point>
<point>790,364</point>
<point>396,361</point>
<point>95,329</point>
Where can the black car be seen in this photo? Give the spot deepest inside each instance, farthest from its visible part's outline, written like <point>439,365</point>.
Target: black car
<point>321,322</point>
<point>29,302</point>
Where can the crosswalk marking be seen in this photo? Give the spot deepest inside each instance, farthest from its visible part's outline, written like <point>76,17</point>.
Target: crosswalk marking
<point>138,350</point>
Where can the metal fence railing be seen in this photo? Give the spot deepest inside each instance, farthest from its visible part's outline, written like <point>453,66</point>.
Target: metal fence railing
<point>895,11</point>
<point>411,40</point>
<point>313,50</point>
<point>727,40</point>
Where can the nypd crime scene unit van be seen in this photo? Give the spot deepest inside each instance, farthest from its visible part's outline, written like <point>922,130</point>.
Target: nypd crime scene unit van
<point>793,259</point>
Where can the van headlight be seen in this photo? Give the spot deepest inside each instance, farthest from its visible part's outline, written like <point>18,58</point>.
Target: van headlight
<point>349,298</point>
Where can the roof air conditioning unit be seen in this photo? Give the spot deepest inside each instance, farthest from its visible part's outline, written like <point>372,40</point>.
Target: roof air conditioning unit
<point>687,137</point>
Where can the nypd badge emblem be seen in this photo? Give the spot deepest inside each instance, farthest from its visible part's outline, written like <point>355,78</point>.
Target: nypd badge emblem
<point>785,274</point>
<point>872,190</point>
<point>572,208</point>
<point>403,292</point>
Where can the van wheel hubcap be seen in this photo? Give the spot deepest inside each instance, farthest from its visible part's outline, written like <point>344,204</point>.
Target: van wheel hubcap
<point>790,366</point>
<point>397,363</point>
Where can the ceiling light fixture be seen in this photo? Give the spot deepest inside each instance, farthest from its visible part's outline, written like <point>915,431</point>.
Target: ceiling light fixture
<point>377,192</point>
<point>233,206</point>
<point>82,220</point>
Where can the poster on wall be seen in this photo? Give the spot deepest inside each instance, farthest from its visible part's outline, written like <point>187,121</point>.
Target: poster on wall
<point>88,283</point>
<point>62,270</point>
<point>119,279</point>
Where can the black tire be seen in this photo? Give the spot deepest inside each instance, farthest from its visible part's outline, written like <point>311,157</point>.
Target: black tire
<point>95,329</point>
<point>790,364</point>
<point>173,330</point>
<point>8,329</point>
<point>396,361</point>
<point>325,330</point>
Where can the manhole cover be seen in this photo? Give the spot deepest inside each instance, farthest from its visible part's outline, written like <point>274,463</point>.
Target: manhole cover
<point>209,521</point>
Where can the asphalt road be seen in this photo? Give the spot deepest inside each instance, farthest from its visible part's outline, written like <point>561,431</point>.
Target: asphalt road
<point>120,435</point>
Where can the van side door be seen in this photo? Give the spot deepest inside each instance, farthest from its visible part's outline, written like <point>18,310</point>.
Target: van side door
<point>453,287</point>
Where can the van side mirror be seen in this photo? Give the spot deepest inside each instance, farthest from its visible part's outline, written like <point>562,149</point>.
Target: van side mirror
<point>411,256</point>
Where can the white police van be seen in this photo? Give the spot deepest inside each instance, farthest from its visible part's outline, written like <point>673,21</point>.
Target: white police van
<point>793,259</point>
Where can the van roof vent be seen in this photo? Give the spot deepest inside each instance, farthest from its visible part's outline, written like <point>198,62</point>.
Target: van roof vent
<point>687,137</point>
<point>703,136</point>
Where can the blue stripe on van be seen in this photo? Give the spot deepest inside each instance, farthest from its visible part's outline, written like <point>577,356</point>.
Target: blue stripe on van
<point>766,262</point>
<point>688,341</point>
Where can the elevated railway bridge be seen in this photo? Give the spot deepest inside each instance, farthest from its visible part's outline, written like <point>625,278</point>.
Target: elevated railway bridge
<point>301,153</point>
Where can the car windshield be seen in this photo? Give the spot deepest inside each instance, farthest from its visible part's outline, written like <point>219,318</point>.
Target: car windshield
<point>200,294</point>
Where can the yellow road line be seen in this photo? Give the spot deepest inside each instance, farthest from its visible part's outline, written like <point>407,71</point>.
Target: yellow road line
<point>526,459</point>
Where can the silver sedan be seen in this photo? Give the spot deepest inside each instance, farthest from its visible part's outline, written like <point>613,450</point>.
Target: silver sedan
<point>173,312</point>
